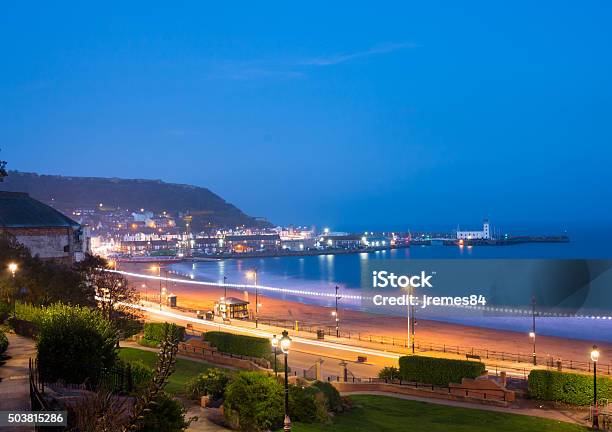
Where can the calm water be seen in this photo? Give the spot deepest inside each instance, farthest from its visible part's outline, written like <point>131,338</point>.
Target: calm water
<point>322,273</point>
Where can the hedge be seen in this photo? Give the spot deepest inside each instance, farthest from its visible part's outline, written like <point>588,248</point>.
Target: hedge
<point>439,371</point>
<point>155,332</point>
<point>570,388</point>
<point>239,344</point>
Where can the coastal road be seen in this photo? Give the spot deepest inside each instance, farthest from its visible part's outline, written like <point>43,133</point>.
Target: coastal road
<point>305,351</point>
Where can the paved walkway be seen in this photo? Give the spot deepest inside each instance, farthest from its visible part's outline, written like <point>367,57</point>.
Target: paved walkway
<point>14,382</point>
<point>576,417</point>
<point>202,424</point>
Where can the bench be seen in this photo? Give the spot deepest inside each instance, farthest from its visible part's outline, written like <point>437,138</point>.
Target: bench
<point>472,357</point>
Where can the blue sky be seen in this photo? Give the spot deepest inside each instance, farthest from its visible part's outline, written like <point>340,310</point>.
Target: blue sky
<point>391,115</point>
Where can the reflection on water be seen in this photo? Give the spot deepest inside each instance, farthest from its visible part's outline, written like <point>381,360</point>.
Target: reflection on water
<point>323,272</point>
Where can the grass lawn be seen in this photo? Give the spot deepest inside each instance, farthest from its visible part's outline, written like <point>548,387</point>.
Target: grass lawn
<point>382,413</point>
<point>185,369</point>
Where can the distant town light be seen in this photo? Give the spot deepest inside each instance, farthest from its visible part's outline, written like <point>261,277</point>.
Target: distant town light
<point>326,230</point>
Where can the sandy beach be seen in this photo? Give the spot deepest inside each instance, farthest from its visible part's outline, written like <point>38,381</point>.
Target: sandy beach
<point>202,297</point>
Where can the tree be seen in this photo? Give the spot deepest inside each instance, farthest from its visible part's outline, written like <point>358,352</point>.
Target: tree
<point>3,172</point>
<point>111,289</point>
<point>75,344</point>
<point>151,410</point>
<point>37,281</point>
<point>166,360</point>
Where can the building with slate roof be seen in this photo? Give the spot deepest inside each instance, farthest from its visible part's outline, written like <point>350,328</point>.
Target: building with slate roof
<point>43,230</point>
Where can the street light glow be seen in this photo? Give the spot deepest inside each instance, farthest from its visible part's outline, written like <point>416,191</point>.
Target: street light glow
<point>13,267</point>
<point>274,341</point>
<point>532,334</point>
<point>285,342</point>
<point>595,354</point>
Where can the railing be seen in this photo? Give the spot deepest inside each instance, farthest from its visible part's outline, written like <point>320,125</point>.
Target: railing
<point>116,380</point>
<point>487,394</point>
<point>541,360</point>
<point>185,347</point>
<point>37,400</point>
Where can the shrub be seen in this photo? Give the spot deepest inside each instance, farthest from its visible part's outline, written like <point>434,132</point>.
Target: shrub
<point>74,344</point>
<point>27,312</point>
<point>389,373</point>
<point>333,400</point>
<point>155,332</point>
<point>307,404</point>
<point>148,343</point>
<point>239,344</point>
<point>141,374</point>
<point>254,402</point>
<point>439,371</point>
<point>5,311</point>
<point>3,342</point>
<point>210,383</point>
<point>167,415</point>
<point>570,388</point>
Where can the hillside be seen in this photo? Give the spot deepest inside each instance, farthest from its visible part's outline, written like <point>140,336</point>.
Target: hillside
<point>68,193</point>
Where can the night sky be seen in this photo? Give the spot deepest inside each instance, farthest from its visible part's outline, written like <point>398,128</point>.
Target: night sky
<point>390,116</point>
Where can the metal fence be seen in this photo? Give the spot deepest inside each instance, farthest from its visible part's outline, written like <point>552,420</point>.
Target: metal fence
<point>421,345</point>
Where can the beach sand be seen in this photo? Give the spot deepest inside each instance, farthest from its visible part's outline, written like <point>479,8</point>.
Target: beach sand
<point>200,297</point>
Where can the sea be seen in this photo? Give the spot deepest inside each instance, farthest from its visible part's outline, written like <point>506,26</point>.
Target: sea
<point>303,279</point>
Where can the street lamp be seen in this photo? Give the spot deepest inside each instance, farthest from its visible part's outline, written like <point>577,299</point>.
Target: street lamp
<point>532,333</point>
<point>158,269</point>
<point>13,267</point>
<point>275,347</point>
<point>335,314</point>
<point>253,275</point>
<point>225,287</point>
<point>411,314</point>
<point>594,359</point>
<point>285,343</point>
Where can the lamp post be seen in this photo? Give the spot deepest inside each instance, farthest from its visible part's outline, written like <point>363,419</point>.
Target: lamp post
<point>335,313</point>
<point>158,268</point>
<point>275,347</point>
<point>13,267</point>
<point>532,333</point>
<point>253,275</point>
<point>285,343</point>
<point>224,287</point>
<point>412,325</point>
<point>594,359</point>
<point>411,313</point>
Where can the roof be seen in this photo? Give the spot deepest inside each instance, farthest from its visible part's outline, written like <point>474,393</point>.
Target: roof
<point>19,210</point>
<point>342,237</point>
<point>235,301</point>
<point>252,237</point>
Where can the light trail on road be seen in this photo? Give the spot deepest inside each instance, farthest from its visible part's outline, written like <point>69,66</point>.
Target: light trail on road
<point>261,333</point>
<point>497,309</point>
<point>240,286</point>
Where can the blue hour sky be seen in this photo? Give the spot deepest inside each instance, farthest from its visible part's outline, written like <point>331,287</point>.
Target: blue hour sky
<point>390,115</point>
